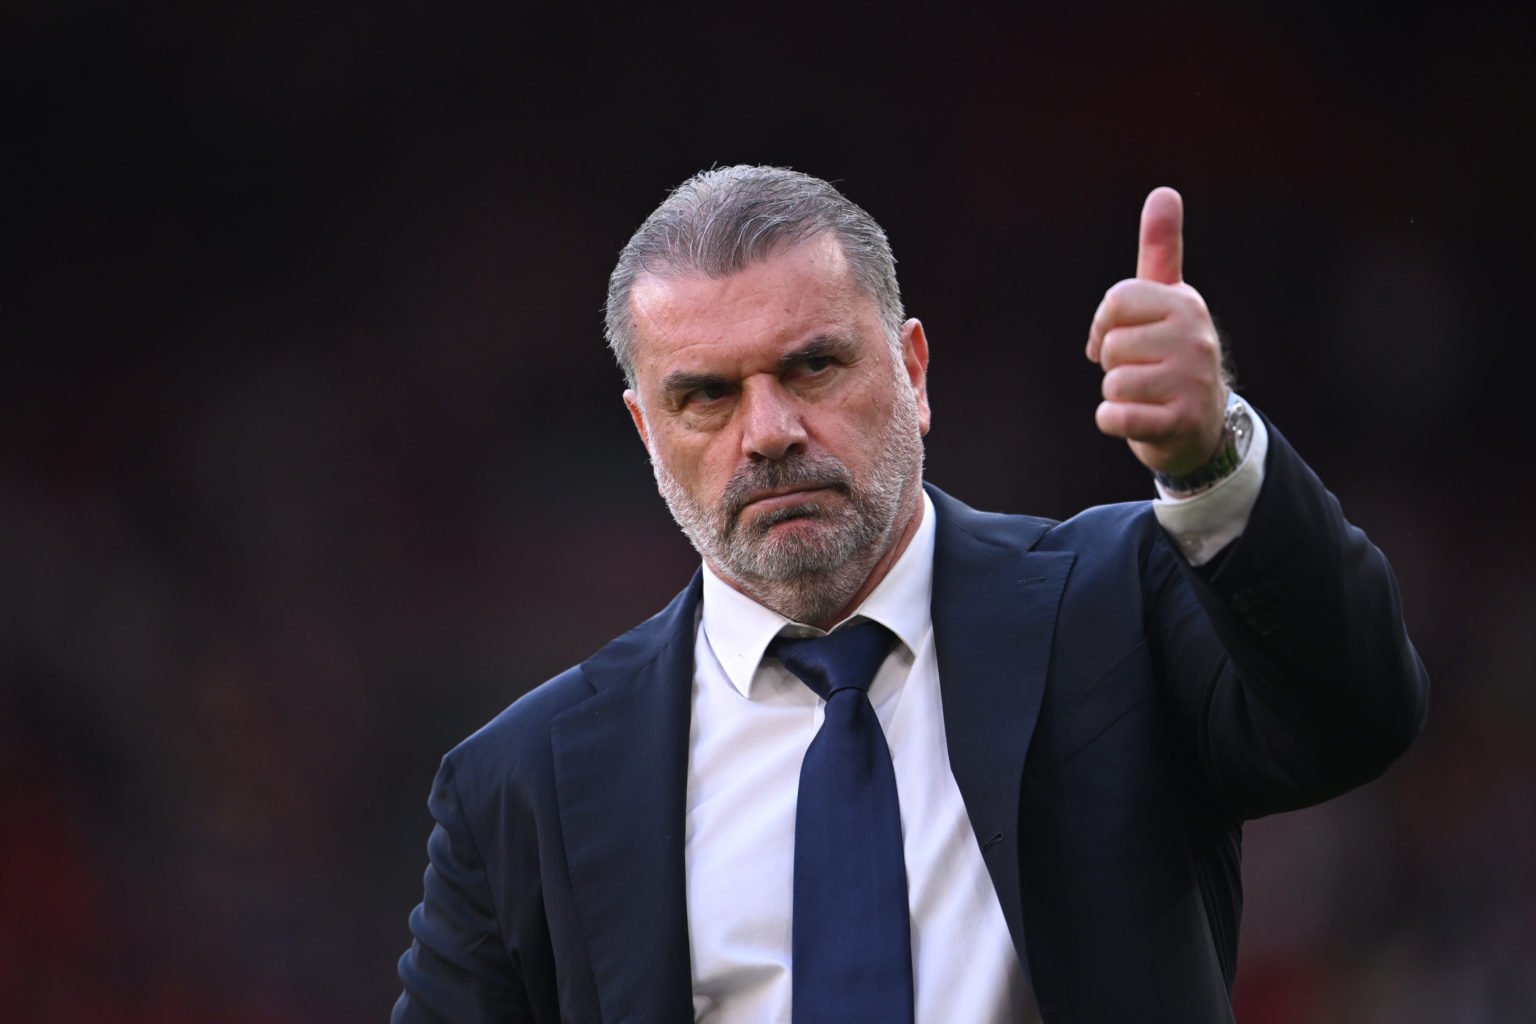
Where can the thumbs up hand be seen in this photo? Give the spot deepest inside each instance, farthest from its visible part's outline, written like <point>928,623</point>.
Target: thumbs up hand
<point>1163,386</point>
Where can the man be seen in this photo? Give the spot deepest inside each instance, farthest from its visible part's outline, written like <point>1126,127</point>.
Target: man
<point>1073,718</point>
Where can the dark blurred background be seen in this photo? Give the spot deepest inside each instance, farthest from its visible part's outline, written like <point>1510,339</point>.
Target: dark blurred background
<point>309,444</point>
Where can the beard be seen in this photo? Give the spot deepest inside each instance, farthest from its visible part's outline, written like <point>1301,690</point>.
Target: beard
<point>807,572</point>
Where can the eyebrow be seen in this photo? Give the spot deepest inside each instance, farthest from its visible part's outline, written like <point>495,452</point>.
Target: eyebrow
<point>822,345</point>
<point>684,381</point>
<point>681,382</point>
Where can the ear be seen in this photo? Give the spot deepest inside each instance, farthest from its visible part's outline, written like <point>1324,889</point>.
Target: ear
<point>632,403</point>
<point>914,354</point>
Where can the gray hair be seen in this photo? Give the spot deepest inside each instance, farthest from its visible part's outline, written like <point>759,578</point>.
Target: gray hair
<point>720,221</point>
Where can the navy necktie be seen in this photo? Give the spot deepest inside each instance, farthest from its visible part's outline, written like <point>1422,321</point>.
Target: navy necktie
<point>852,951</point>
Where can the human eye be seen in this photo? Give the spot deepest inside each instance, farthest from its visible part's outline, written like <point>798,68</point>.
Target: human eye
<point>705,394</point>
<point>818,362</point>
<point>812,367</point>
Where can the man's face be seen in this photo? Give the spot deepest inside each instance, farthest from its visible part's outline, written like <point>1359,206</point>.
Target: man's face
<point>784,432</point>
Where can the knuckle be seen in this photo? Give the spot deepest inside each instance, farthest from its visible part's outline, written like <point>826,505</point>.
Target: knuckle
<point>1108,417</point>
<point>1116,297</point>
<point>1190,297</point>
<point>1109,352</point>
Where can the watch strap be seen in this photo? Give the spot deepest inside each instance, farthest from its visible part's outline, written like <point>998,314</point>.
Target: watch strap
<point>1236,438</point>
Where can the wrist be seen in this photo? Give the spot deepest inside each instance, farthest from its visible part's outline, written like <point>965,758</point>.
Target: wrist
<point>1236,439</point>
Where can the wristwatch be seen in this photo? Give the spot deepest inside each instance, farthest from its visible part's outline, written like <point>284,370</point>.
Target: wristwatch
<point>1236,437</point>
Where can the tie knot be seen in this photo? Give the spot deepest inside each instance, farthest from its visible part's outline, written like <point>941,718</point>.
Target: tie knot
<point>848,657</point>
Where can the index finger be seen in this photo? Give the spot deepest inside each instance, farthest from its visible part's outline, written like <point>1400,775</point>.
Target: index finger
<point>1160,255</point>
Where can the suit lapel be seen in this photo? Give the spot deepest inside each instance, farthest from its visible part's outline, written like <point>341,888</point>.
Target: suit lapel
<point>621,761</point>
<point>994,615</point>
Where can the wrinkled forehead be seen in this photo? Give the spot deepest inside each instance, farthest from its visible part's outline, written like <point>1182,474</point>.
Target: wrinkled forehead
<point>802,289</point>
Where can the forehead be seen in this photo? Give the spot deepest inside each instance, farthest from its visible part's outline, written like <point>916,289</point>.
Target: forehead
<point>757,313</point>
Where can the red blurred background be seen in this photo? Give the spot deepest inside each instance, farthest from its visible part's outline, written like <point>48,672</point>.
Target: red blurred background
<point>309,442</point>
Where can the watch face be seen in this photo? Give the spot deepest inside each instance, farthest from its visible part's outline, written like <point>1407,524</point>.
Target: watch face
<point>1237,438</point>
<point>1240,423</point>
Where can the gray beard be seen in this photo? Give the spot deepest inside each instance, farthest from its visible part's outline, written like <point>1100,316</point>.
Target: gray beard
<point>806,575</point>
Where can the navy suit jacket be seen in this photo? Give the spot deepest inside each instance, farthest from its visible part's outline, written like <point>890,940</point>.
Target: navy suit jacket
<point>1112,715</point>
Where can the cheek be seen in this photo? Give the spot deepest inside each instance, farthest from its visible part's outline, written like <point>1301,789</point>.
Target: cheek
<point>854,422</point>
<point>696,463</point>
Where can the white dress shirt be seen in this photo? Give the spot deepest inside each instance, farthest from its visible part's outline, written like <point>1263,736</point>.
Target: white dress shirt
<point>751,724</point>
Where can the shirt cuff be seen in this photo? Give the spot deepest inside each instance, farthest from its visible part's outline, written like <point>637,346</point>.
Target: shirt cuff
<point>1203,524</point>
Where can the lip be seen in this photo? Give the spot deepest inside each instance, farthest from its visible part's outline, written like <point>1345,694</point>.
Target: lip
<point>770,501</point>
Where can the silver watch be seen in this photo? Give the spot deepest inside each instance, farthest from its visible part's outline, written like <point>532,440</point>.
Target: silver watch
<point>1236,438</point>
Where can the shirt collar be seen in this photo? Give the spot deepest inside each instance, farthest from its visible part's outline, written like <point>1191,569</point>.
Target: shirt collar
<point>739,629</point>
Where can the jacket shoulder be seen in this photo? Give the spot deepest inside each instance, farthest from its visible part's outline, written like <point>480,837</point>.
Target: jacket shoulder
<point>516,743</point>
<point>998,528</point>
<point>1129,522</point>
<point>518,739</point>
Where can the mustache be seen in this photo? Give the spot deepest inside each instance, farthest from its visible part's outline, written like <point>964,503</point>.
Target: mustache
<point>793,473</point>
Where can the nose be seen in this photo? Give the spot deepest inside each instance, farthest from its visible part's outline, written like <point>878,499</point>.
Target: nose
<point>771,424</point>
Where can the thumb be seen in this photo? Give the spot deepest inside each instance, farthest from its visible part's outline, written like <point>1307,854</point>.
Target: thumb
<point>1160,256</point>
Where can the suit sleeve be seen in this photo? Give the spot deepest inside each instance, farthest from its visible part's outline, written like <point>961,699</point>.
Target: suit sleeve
<point>1287,666</point>
<point>457,969</point>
